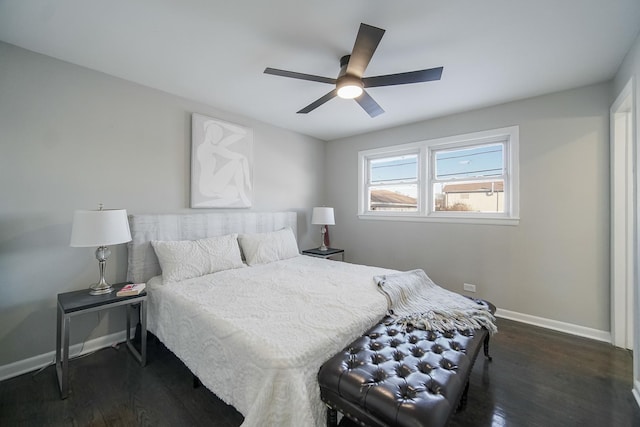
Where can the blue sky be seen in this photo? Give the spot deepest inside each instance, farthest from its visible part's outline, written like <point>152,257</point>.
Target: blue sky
<point>471,162</point>
<point>397,168</point>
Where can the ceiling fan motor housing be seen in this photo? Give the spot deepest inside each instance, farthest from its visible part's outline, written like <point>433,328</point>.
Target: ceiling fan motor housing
<point>348,86</point>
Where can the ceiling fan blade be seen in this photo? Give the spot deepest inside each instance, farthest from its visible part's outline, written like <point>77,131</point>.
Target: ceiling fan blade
<point>301,76</point>
<point>318,102</point>
<point>404,78</point>
<point>369,104</point>
<point>366,44</point>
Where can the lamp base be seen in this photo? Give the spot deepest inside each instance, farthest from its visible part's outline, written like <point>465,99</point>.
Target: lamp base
<point>323,231</point>
<point>100,289</point>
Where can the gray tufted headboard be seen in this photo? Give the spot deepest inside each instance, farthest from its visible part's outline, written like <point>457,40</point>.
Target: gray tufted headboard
<point>143,263</point>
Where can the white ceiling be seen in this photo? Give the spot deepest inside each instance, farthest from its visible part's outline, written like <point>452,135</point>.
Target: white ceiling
<point>215,51</point>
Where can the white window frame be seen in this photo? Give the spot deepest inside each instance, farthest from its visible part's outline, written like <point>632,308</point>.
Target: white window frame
<point>508,135</point>
<point>408,150</point>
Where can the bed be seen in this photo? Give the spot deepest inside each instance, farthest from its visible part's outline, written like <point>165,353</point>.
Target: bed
<point>255,335</point>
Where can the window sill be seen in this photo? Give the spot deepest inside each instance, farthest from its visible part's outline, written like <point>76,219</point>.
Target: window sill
<point>443,219</point>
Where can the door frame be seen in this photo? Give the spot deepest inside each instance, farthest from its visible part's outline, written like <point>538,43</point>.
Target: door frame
<point>623,216</point>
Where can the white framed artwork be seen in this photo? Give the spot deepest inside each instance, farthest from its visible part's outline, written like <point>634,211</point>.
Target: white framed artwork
<point>221,164</point>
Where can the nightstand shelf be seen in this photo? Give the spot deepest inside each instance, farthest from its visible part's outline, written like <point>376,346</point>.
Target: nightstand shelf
<point>74,303</point>
<point>324,254</point>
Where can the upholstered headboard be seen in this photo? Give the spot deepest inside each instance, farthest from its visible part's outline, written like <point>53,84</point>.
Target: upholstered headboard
<point>143,263</point>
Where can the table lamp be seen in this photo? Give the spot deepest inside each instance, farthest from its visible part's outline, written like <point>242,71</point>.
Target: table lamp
<point>100,228</point>
<point>323,216</point>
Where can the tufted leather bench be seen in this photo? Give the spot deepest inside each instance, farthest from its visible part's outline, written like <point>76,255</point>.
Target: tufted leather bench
<point>391,377</point>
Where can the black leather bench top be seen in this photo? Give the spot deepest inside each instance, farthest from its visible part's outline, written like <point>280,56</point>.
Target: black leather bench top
<point>390,377</point>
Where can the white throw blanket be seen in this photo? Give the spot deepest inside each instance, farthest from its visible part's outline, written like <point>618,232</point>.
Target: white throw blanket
<point>413,298</point>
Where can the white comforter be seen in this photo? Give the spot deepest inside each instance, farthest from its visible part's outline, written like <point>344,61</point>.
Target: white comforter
<point>256,336</point>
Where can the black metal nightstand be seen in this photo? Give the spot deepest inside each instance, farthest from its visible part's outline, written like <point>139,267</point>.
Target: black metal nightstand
<point>324,254</point>
<point>80,302</point>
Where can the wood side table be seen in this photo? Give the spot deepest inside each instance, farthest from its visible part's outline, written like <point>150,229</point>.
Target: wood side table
<point>324,254</point>
<point>74,303</point>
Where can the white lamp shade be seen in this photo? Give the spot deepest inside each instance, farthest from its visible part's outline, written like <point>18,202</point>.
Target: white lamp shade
<point>100,228</point>
<point>322,216</point>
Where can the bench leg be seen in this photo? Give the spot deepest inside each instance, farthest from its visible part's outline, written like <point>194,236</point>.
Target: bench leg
<point>463,398</point>
<point>486,347</point>
<point>332,417</point>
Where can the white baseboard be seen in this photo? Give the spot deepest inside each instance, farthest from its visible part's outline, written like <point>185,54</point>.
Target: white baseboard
<point>636,391</point>
<point>568,328</point>
<point>37,362</point>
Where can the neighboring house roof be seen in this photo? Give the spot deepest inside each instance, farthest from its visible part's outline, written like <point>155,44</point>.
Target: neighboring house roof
<point>474,187</point>
<point>391,198</point>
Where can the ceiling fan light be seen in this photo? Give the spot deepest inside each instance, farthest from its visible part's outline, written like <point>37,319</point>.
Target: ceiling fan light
<point>349,87</point>
<point>349,91</point>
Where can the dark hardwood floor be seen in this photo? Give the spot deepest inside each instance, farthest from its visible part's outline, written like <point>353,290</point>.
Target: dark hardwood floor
<point>542,378</point>
<point>537,378</point>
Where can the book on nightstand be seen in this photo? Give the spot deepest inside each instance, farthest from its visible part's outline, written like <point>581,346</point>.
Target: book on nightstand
<point>131,289</point>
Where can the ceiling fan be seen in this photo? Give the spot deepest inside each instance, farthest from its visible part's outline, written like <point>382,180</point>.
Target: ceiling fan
<point>350,83</point>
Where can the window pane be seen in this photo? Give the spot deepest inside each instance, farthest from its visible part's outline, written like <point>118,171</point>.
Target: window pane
<point>475,162</point>
<point>469,196</point>
<point>394,169</point>
<point>397,198</point>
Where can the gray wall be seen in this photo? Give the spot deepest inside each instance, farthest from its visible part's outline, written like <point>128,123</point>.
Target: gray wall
<point>71,138</point>
<point>555,263</point>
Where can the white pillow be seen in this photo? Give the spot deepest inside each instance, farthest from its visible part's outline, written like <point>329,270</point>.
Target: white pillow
<point>185,259</point>
<point>261,248</point>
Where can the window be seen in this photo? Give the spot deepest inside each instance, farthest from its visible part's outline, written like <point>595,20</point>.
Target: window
<point>469,179</point>
<point>393,183</point>
<point>465,178</point>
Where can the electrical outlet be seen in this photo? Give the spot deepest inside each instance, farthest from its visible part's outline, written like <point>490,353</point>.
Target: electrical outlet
<point>469,287</point>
